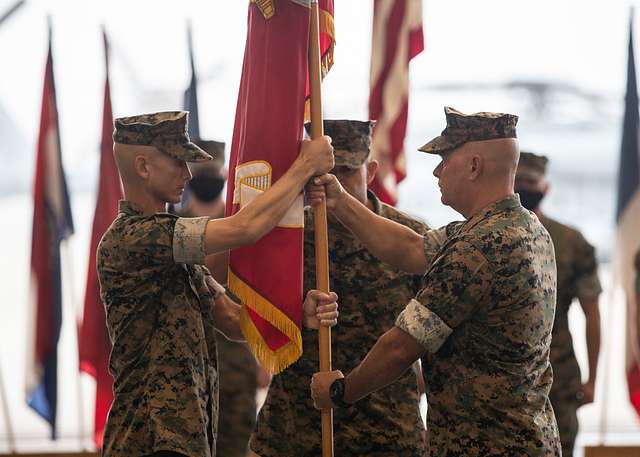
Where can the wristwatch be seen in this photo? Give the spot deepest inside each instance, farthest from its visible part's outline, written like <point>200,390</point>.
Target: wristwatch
<point>336,392</point>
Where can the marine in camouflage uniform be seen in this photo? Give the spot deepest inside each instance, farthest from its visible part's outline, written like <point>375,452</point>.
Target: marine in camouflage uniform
<point>371,295</point>
<point>162,303</point>
<point>159,301</point>
<point>577,278</point>
<point>483,321</point>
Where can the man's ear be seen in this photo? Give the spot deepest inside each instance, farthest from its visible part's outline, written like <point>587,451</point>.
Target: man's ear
<point>141,166</point>
<point>475,166</point>
<point>372,169</point>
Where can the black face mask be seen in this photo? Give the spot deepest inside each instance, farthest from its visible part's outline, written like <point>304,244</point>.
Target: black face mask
<point>530,199</point>
<point>206,188</point>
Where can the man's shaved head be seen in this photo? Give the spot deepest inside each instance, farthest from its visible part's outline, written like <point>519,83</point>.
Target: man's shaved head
<point>126,155</point>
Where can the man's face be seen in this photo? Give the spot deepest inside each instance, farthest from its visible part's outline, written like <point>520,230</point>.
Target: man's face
<point>167,177</point>
<point>532,190</point>
<point>450,177</point>
<point>354,180</point>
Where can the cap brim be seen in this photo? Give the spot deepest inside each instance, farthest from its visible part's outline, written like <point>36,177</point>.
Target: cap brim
<point>439,145</point>
<point>189,152</point>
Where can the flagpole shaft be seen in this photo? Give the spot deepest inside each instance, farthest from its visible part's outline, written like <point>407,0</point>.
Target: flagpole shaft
<point>320,218</point>
<point>5,410</point>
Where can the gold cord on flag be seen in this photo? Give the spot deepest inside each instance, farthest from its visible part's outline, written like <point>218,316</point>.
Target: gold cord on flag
<point>266,7</point>
<point>273,361</point>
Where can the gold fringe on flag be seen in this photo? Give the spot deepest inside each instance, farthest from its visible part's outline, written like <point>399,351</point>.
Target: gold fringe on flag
<point>266,7</point>
<point>272,361</point>
<point>327,27</point>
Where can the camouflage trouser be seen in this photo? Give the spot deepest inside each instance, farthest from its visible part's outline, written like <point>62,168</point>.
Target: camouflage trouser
<point>566,412</point>
<point>237,398</point>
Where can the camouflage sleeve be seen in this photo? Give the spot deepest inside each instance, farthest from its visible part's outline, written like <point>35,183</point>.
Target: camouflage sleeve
<point>587,282</point>
<point>188,240</point>
<point>425,326</point>
<point>455,287</point>
<point>433,241</point>
<point>149,242</point>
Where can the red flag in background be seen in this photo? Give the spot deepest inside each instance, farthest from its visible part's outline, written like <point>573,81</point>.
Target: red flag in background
<point>396,39</point>
<point>94,342</point>
<point>52,224</point>
<point>267,276</point>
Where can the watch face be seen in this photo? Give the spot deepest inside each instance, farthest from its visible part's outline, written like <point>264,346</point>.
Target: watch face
<point>336,392</point>
<point>335,389</point>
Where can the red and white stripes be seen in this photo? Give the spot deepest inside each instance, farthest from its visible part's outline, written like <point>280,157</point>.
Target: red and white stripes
<point>396,38</point>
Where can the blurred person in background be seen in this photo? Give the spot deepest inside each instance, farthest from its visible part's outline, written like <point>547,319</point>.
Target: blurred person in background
<point>577,278</point>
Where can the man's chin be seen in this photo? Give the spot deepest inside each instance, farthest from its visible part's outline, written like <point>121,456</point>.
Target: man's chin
<point>175,199</point>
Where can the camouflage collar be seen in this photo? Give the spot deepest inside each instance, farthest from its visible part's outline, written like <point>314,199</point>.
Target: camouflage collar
<point>510,202</point>
<point>128,208</point>
<point>375,201</point>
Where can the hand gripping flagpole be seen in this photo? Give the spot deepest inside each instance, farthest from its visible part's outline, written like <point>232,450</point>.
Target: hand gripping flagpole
<point>320,218</point>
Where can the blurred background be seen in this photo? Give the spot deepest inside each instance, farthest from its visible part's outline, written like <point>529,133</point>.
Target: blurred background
<point>561,66</point>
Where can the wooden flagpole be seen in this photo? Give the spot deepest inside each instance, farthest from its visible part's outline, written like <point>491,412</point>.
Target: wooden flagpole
<point>320,217</point>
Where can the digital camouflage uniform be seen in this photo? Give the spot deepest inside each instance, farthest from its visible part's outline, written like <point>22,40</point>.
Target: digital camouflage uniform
<point>485,317</point>
<point>238,409</point>
<point>371,294</point>
<point>577,278</point>
<point>159,305</point>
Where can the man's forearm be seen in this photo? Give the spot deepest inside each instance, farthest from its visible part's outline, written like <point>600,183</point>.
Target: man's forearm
<point>389,241</point>
<point>390,357</point>
<point>260,216</point>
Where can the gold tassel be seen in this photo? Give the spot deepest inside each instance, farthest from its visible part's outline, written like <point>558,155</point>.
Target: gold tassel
<point>273,361</point>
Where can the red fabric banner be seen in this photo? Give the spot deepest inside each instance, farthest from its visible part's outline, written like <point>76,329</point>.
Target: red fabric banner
<point>267,276</point>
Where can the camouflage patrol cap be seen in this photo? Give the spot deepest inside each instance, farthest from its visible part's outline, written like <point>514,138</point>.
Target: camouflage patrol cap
<point>167,131</point>
<point>463,128</point>
<point>532,165</point>
<point>351,140</point>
